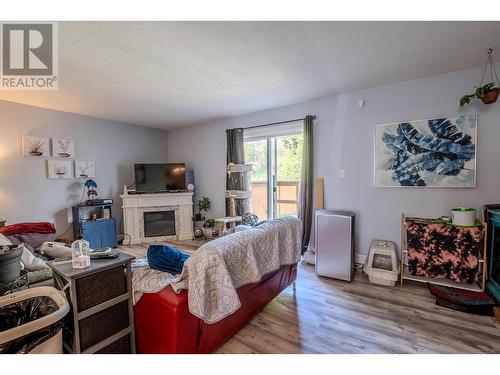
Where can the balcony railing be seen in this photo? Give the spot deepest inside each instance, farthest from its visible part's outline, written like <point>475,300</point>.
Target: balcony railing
<point>287,198</point>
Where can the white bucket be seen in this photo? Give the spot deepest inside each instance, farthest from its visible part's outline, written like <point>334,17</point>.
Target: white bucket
<point>463,216</point>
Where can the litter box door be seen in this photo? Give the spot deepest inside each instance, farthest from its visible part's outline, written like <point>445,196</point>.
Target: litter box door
<point>334,245</point>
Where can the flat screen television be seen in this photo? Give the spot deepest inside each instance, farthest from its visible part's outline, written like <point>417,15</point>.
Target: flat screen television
<point>155,178</point>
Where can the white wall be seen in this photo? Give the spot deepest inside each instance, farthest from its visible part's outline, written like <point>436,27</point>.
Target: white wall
<point>25,192</point>
<point>344,139</point>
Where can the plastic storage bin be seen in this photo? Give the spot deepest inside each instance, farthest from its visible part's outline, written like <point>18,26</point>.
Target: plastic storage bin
<point>382,267</point>
<point>31,321</point>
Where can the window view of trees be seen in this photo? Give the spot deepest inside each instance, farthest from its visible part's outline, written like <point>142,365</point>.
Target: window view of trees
<point>290,157</point>
<point>288,169</point>
<point>256,154</point>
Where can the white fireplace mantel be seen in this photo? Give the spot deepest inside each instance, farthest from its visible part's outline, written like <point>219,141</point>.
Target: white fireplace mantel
<point>134,206</point>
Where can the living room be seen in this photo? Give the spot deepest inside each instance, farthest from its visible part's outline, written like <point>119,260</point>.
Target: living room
<point>268,187</point>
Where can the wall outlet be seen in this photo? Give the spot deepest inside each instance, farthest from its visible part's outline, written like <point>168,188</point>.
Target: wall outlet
<point>342,173</point>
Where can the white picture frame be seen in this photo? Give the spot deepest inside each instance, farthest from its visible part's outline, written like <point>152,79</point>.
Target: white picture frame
<point>84,169</point>
<point>63,148</point>
<point>35,146</point>
<point>437,153</point>
<point>59,169</point>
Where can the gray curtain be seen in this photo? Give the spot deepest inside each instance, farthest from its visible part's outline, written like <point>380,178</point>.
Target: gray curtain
<point>236,181</point>
<point>306,183</point>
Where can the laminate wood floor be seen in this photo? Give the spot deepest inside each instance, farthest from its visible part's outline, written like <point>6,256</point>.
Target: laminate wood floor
<point>330,316</point>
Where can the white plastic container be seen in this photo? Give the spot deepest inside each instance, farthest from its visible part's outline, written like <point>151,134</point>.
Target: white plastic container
<point>54,344</point>
<point>463,216</point>
<point>382,267</point>
<point>80,254</point>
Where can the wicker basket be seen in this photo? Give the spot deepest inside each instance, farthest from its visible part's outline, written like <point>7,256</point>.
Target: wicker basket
<point>100,287</point>
<point>103,324</point>
<point>120,346</point>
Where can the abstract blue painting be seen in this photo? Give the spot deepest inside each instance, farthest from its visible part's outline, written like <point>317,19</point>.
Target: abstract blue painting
<point>427,153</point>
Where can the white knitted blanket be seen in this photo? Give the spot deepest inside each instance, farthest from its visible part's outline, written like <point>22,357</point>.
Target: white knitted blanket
<point>214,272</point>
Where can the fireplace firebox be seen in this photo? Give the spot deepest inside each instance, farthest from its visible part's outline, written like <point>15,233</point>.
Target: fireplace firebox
<point>159,223</point>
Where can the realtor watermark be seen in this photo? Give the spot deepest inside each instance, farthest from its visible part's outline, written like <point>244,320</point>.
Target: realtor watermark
<point>29,56</point>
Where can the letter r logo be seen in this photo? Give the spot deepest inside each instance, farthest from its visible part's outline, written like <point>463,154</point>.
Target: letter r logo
<point>27,49</point>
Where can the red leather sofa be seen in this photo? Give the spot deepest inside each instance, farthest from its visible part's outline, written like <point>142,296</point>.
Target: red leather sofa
<point>163,323</point>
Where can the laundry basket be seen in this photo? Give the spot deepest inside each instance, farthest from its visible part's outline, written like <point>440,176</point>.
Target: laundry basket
<point>31,321</point>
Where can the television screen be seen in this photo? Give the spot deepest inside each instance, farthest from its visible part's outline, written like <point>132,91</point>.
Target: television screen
<point>160,177</point>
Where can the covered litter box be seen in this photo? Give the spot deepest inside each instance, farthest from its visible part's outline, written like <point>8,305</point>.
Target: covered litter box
<point>31,321</point>
<point>382,267</point>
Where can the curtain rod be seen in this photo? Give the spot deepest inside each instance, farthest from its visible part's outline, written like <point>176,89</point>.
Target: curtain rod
<point>279,122</point>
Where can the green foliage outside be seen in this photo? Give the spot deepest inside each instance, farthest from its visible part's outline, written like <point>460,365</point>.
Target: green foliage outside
<point>289,155</point>
<point>255,154</point>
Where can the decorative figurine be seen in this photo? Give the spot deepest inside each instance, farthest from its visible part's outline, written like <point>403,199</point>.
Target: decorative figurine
<point>91,190</point>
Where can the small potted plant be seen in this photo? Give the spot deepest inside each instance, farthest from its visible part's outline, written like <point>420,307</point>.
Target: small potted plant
<point>487,93</point>
<point>209,228</point>
<point>209,223</point>
<point>203,205</point>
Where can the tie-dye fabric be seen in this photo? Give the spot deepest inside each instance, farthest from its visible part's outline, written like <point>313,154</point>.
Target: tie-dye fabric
<point>443,251</point>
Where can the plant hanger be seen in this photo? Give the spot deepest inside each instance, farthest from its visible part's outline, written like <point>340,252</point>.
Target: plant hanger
<point>489,62</point>
<point>488,93</point>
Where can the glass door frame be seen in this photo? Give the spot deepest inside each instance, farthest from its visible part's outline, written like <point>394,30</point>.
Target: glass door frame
<point>272,194</point>
<point>272,169</point>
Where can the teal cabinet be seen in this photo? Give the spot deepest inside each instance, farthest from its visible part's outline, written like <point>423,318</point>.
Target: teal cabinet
<point>494,253</point>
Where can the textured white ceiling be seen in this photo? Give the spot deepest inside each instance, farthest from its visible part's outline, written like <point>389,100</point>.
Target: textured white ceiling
<point>170,74</point>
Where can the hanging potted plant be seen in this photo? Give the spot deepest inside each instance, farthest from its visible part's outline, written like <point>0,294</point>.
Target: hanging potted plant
<point>488,93</point>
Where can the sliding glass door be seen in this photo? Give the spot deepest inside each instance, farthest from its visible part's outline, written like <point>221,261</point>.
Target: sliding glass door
<point>288,156</point>
<point>256,154</point>
<point>277,161</point>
